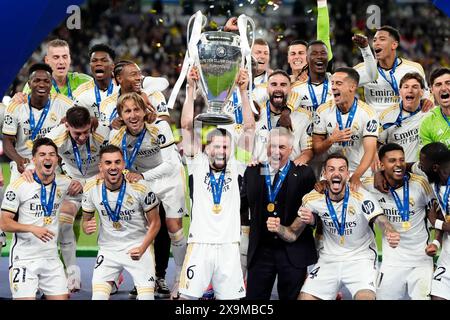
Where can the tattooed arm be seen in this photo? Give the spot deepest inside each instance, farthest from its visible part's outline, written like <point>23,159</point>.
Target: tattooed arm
<point>287,233</point>
<point>392,236</point>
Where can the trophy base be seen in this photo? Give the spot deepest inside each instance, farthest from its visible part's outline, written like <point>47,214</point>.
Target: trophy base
<point>215,118</point>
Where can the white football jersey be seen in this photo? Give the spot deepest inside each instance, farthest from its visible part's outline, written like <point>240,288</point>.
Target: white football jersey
<point>207,226</point>
<point>85,96</point>
<point>359,237</point>
<point>379,93</point>
<point>60,135</point>
<point>137,201</point>
<point>444,257</point>
<point>302,130</point>
<point>411,250</point>
<point>300,96</point>
<point>24,200</point>
<point>17,121</point>
<point>406,134</point>
<point>365,124</point>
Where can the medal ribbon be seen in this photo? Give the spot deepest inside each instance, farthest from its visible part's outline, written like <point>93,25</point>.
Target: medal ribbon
<point>114,215</point>
<point>340,227</point>
<point>47,206</point>
<point>217,186</point>
<point>237,109</point>
<point>77,154</point>
<point>312,94</point>
<point>393,81</point>
<point>130,159</point>
<point>400,118</point>
<point>271,195</point>
<point>350,118</point>
<point>445,118</point>
<point>98,97</point>
<point>443,201</point>
<point>33,127</point>
<point>69,90</point>
<point>403,209</point>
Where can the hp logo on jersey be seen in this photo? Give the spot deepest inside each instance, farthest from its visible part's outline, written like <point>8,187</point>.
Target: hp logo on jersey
<point>368,207</point>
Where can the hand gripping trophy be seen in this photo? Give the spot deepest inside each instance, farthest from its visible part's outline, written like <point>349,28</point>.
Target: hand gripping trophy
<point>218,57</point>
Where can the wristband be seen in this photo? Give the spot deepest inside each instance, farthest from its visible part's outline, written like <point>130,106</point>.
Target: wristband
<point>436,243</point>
<point>438,224</point>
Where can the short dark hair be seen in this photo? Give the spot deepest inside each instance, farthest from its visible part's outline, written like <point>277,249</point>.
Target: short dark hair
<point>436,152</point>
<point>389,147</point>
<point>392,32</point>
<point>78,116</point>
<point>297,42</point>
<point>110,148</point>
<point>42,142</point>
<point>261,42</point>
<point>118,68</point>
<point>40,66</point>
<point>351,73</point>
<point>413,75</point>
<point>437,73</point>
<point>314,42</point>
<point>218,132</point>
<point>101,47</point>
<point>335,155</point>
<point>279,71</point>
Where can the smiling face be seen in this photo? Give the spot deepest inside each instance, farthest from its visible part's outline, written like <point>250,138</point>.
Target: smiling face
<point>40,83</point>
<point>218,151</point>
<point>111,166</point>
<point>384,45</point>
<point>45,161</point>
<point>394,165</point>
<point>336,173</point>
<point>297,57</point>
<point>80,135</point>
<point>59,59</point>
<point>133,116</point>
<point>441,90</point>
<point>278,151</point>
<point>411,92</point>
<point>262,55</point>
<point>318,58</point>
<point>130,79</point>
<point>101,65</point>
<point>278,89</point>
<point>343,88</point>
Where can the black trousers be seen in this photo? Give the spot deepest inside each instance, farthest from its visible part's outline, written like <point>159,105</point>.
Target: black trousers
<point>162,246</point>
<point>269,262</point>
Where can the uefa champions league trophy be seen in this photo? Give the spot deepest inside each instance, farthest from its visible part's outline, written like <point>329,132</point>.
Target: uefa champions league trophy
<point>218,57</point>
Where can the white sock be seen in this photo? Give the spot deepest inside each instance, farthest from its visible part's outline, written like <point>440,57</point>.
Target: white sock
<point>66,239</point>
<point>178,245</point>
<point>145,293</point>
<point>101,291</point>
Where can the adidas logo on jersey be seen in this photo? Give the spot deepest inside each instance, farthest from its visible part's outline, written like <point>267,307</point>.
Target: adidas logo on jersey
<point>67,152</point>
<point>36,196</point>
<point>241,289</point>
<point>190,235</point>
<point>383,200</point>
<point>329,125</point>
<point>180,210</point>
<point>305,98</point>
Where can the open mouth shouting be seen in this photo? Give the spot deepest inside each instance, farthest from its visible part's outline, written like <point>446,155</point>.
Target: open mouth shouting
<point>320,65</point>
<point>336,184</point>
<point>278,98</point>
<point>99,73</point>
<point>398,173</point>
<point>445,98</point>
<point>377,52</point>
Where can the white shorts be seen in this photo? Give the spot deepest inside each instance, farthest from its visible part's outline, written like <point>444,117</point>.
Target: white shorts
<point>399,283</point>
<point>170,190</point>
<point>218,264</point>
<point>110,264</point>
<point>440,285</point>
<point>27,276</point>
<point>326,278</point>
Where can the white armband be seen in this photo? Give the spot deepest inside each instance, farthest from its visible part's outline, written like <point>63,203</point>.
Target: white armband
<point>436,243</point>
<point>438,224</point>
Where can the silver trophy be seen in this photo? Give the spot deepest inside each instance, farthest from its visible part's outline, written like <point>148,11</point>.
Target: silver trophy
<point>219,60</point>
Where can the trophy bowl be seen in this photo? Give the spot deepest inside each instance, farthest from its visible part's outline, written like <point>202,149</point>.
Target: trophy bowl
<point>219,62</point>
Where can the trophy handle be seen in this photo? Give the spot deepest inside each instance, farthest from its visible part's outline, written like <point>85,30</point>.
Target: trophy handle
<point>243,22</point>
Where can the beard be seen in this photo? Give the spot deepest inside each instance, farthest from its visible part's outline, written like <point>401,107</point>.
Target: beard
<point>276,102</point>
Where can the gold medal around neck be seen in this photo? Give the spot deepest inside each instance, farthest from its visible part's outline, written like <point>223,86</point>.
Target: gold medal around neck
<point>29,144</point>
<point>406,225</point>
<point>117,225</point>
<point>216,208</point>
<point>271,207</point>
<point>447,218</point>
<point>341,241</point>
<point>48,220</point>
<point>238,127</point>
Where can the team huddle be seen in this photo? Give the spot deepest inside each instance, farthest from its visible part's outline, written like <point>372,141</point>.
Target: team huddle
<point>291,194</point>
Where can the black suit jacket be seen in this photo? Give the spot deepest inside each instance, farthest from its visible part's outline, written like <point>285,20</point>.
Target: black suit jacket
<point>298,182</point>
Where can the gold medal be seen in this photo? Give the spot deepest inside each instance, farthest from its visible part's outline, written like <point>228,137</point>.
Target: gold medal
<point>47,220</point>
<point>271,207</point>
<point>216,208</point>
<point>117,225</point>
<point>406,225</point>
<point>341,241</point>
<point>29,144</point>
<point>447,218</point>
<point>238,127</point>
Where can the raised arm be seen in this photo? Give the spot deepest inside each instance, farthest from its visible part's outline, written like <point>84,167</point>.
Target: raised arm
<point>368,72</point>
<point>191,140</point>
<point>246,140</point>
<point>323,26</point>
